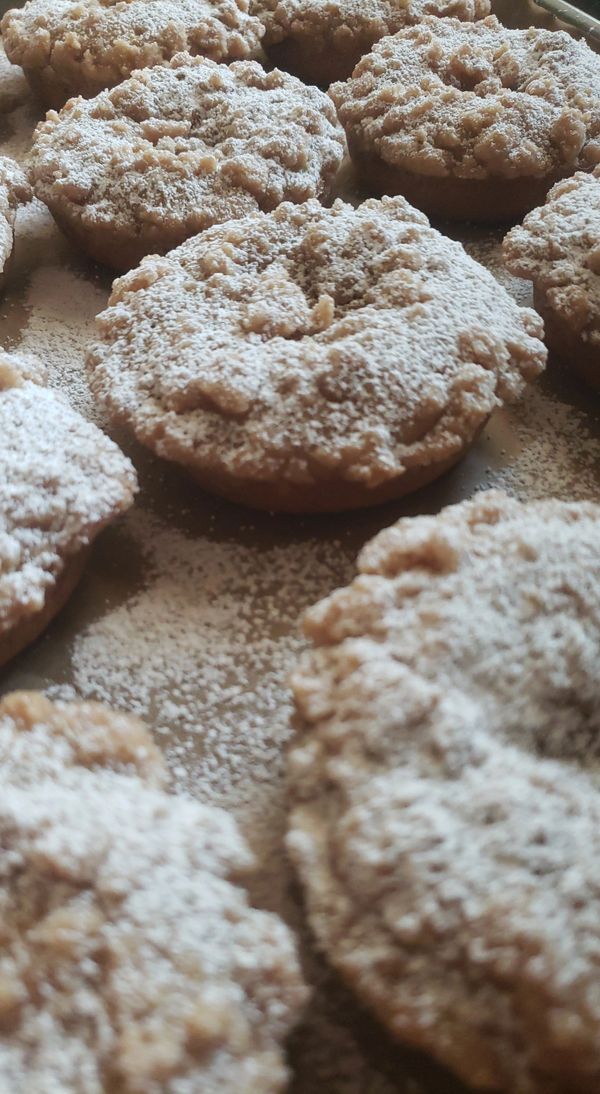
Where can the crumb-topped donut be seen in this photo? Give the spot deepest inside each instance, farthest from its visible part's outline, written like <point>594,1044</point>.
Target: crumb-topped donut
<point>79,47</point>
<point>61,482</point>
<point>179,147</point>
<point>558,249</point>
<point>14,89</point>
<point>472,120</point>
<point>131,959</point>
<point>322,40</point>
<point>310,358</point>
<point>445,798</point>
<point>14,191</point>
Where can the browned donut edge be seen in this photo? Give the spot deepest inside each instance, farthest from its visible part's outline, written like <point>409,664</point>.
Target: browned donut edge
<point>328,496</point>
<point>122,250</point>
<point>111,246</point>
<point>567,344</point>
<point>33,626</point>
<point>316,62</point>
<point>53,92</point>
<point>482,201</point>
<point>6,269</point>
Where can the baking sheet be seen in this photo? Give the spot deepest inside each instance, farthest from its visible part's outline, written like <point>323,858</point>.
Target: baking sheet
<point>188,611</point>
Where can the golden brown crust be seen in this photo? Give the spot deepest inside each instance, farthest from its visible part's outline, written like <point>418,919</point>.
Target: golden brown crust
<point>313,358</point>
<point>481,201</point>
<point>52,91</point>
<point>328,496</point>
<point>575,352</point>
<point>14,191</point>
<point>30,627</point>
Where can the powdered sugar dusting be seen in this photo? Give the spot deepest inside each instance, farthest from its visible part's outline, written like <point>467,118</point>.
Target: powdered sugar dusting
<point>475,100</point>
<point>228,621</point>
<point>345,346</point>
<point>130,957</point>
<point>338,1049</point>
<point>558,249</point>
<point>179,147</point>
<point>445,787</point>
<point>81,48</point>
<point>62,481</point>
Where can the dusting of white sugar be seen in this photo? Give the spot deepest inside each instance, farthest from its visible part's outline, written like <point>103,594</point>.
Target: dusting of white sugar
<point>203,631</point>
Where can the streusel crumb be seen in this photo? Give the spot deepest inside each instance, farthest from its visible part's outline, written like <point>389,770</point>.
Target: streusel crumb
<point>329,33</point>
<point>179,147</point>
<point>445,785</point>
<point>475,100</point>
<point>62,481</point>
<point>75,47</point>
<point>130,957</point>
<point>313,346</point>
<point>558,248</point>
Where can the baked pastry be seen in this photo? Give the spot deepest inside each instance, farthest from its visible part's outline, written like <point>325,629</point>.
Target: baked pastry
<point>79,47</point>
<point>313,359</point>
<point>471,120</point>
<point>445,806</point>
<point>179,147</point>
<point>62,481</point>
<point>14,89</point>
<point>14,191</point>
<point>322,40</point>
<point>558,249</point>
<point>131,959</point>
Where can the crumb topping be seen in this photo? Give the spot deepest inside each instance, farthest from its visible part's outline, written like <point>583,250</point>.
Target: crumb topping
<point>473,100</point>
<point>131,959</point>
<point>14,190</point>
<point>97,43</point>
<point>311,343</point>
<point>341,23</point>
<point>445,786</point>
<point>182,146</point>
<point>62,481</point>
<point>558,248</point>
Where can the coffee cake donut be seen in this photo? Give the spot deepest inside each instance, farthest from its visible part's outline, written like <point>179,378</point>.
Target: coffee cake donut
<point>179,147</point>
<point>80,47</point>
<point>322,40</point>
<point>61,482</point>
<point>471,120</point>
<point>313,359</point>
<point>14,191</point>
<point>558,248</point>
<point>445,796</point>
<point>131,959</point>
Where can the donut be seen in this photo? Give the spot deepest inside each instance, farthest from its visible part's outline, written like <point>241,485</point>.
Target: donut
<point>131,958</point>
<point>80,47</point>
<point>312,359</point>
<point>14,191</point>
<point>179,147</point>
<point>322,40</point>
<point>445,804</point>
<point>14,89</point>
<point>62,482</point>
<point>472,121</point>
<point>558,249</point>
